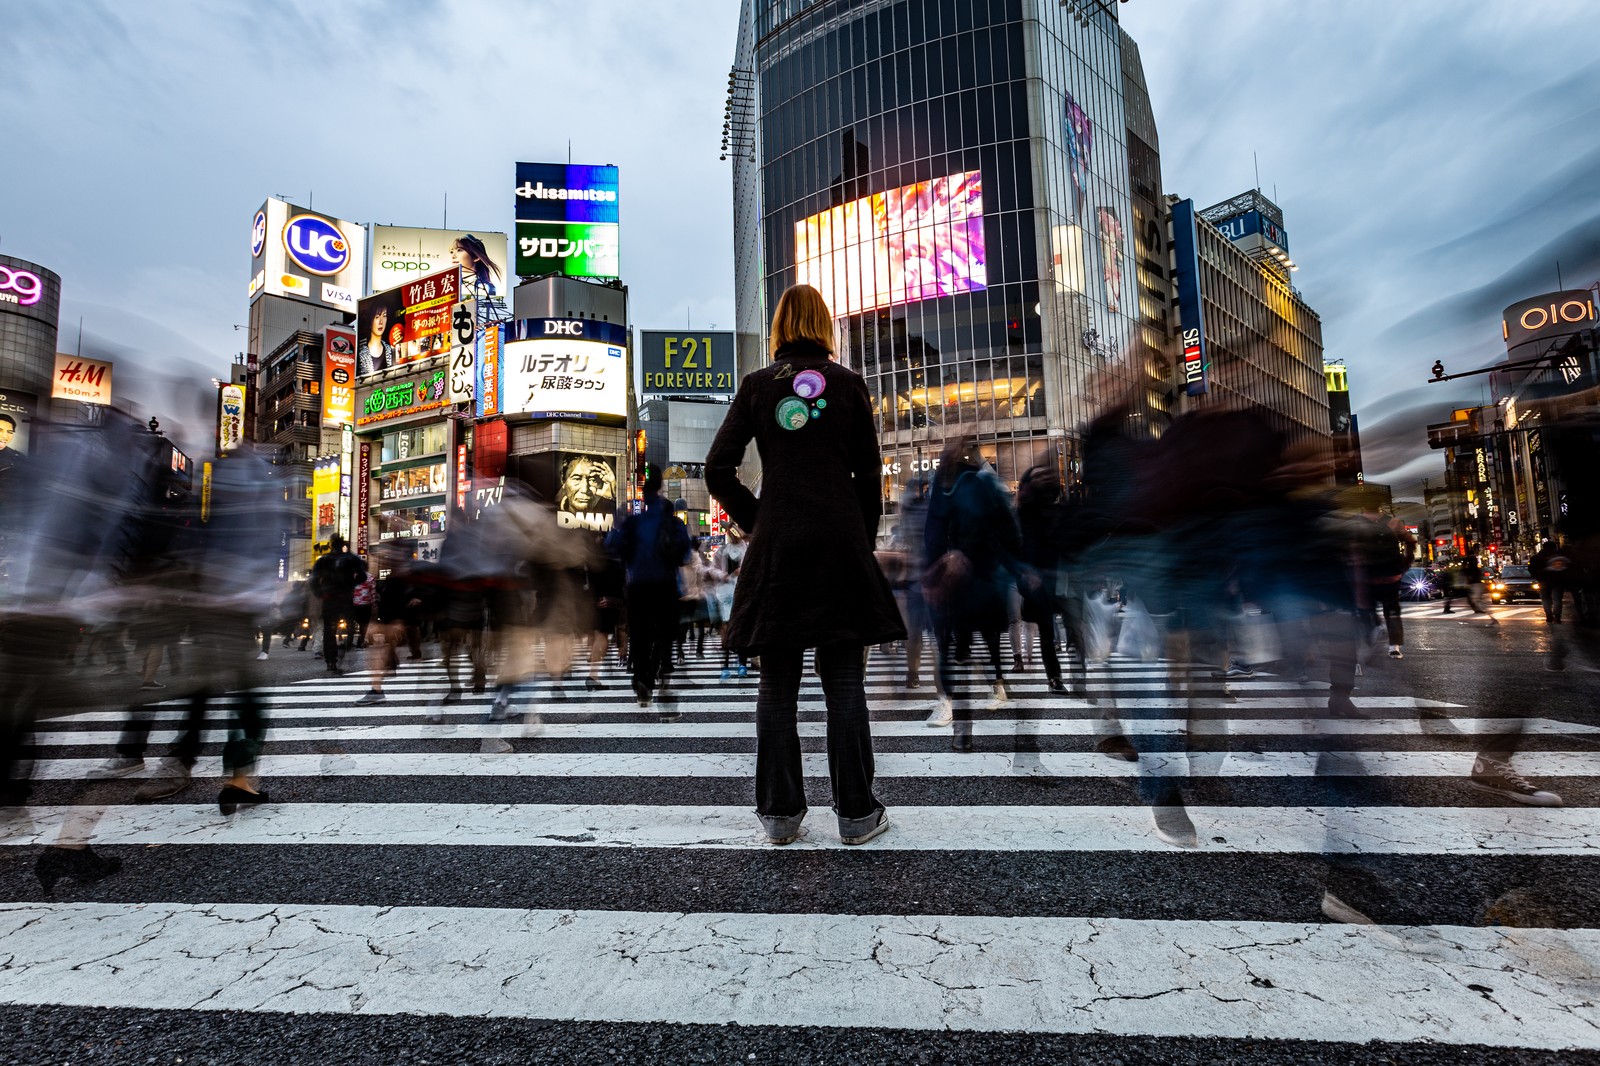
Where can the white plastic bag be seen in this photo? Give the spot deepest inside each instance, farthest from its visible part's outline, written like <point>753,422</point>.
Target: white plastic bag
<point>1139,638</point>
<point>1255,637</point>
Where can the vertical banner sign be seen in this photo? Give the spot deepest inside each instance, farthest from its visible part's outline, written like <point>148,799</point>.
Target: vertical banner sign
<point>338,375</point>
<point>488,399</point>
<point>230,418</point>
<point>205,492</point>
<point>347,457</point>
<point>363,497</point>
<point>464,353</point>
<point>1191,323</point>
<point>463,482</point>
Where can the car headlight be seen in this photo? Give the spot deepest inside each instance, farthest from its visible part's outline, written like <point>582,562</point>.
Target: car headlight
<point>1536,586</point>
<point>1498,586</point>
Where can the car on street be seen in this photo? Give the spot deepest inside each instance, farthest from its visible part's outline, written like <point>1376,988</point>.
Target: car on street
<point>1513,583</point>
<point>1420,584</point>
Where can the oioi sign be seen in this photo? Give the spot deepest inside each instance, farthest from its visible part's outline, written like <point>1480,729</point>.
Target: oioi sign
<point>1555,314</point>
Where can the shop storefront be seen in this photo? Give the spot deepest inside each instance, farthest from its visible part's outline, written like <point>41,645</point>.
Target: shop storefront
<point>404,441</point>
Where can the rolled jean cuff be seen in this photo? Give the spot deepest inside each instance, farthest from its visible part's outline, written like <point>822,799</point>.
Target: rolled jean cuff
<point>782,825</point>
<point>854,827</point>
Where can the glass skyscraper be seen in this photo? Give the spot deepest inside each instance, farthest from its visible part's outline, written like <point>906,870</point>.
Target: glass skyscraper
<point>954,176</point>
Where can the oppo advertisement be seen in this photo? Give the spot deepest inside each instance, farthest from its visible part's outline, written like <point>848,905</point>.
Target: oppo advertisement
<point>907,244</point>
<point>407,324</point>
<point>401,254</point>
<point>564,366</point>
<point>305,255</point>
<point>567,220</point>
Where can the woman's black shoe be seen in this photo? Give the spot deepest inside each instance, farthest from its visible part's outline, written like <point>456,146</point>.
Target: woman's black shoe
<point>80,864</point>
<point>592,684</point>
<point>232,797</point>
<point>961,742</point>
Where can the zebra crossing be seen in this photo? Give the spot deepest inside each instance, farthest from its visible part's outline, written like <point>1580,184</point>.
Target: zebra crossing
<point>598,865</point>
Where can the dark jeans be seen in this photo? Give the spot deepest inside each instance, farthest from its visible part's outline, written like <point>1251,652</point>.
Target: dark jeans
<point>652,626</point>
<point>780,781</point>
<point>332,611</point>
<point>1386,597</point>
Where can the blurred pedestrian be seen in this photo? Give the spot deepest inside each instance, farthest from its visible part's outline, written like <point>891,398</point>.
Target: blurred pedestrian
<point>809,579</point>
<point>651,546</point>
<point>334,580</point>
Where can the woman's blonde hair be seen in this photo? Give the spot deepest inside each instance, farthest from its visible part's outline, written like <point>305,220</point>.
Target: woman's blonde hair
<point>802,315</point>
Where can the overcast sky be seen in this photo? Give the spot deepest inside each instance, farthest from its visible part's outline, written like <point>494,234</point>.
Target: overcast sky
<point>1434,160</point>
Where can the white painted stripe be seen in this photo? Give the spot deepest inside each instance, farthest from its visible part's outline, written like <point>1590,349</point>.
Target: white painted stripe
<point>694,728</point>
<point>889,764</point>
<point>1241,830</point>
<point>1260,980</point>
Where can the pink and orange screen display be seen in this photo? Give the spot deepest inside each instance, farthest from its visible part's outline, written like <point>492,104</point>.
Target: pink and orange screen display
<point>900,246</point>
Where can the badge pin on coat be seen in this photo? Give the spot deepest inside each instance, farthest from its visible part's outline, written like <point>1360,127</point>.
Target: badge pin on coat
<point>793,412</point>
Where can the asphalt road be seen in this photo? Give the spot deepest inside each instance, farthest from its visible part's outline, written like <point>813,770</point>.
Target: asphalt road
<point>596,889</point>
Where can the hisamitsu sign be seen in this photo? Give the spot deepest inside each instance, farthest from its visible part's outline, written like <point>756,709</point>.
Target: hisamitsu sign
<point>687,362</point>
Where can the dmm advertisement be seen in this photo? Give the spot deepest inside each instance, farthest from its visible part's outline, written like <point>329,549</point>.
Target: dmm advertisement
<point>582,484</point>
<point>565,366</point>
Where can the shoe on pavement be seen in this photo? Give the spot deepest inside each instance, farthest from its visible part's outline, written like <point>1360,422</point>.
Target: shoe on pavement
<point>961,742</point>
<point>1337,910</point>
<point>1395,652</point>
<point>261,658</point>
<point>1118,747</point>
<point>500,709</point>
<point>149,686</point>
<point>1058,686</point>
<point>1173,825</point>
<point>494,746</point>
<point>173,780</point>
<point>116,766</point>
<point>453,696</point>
<point>1497,777</point>
<point>878,829</point>
<point>532,724</point>
<point>668,714</point>
<point>943,713</point>
<point>373,696</point>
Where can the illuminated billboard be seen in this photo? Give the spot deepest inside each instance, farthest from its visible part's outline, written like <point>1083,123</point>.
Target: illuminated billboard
<point>907,244</point>
<point>338,376</point>
<point>84,380</point>
<point>1555,315</point>
<point>407,324</point>
<point>306,255</point>
<point>1191,317</point>
<point>403,253</point>
<point>567,220</point>
<point>230,418</point>
<point>564,366</point>
<point>687,362</point>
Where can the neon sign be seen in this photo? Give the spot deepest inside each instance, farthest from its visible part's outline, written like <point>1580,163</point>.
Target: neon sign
<point>17,286</point>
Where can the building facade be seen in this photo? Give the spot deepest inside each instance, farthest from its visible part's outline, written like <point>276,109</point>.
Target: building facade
<point>1263,341</point>
<point>971,184</point>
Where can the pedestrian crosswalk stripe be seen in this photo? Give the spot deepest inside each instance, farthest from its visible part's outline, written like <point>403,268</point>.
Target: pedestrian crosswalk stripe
<point>1261,980</point>
<point>889,764</point>
<point>1276,830</point>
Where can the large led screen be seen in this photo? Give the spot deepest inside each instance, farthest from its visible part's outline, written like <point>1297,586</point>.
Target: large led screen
<point>907,244</point>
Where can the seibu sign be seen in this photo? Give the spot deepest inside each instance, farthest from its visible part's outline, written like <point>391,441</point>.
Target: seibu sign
<point>1547,317</point>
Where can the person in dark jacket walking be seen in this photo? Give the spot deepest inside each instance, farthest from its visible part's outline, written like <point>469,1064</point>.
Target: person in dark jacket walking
<point>809,578</point>
<point>652,545</point>
<point>334,579</point>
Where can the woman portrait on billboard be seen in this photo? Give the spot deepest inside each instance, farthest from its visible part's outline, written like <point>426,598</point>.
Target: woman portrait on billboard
<point>478,273</point>
<point>375,354</point>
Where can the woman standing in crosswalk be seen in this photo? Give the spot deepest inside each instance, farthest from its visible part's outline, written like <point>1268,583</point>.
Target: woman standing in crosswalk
<point>809,579</point>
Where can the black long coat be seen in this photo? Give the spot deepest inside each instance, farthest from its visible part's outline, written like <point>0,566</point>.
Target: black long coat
<point>809,577</point>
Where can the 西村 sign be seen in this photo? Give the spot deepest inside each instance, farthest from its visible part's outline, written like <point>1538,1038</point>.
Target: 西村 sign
<point>686,362</point>
<point>411,396</point>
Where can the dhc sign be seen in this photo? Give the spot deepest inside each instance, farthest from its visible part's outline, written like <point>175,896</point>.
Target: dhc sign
<point>316,245</point>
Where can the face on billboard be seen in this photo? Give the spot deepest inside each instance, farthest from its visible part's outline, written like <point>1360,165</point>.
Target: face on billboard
<point>16,414</point>
<point>588,484</point>
<point>1113,241</point>
<point>900,246</point>
<point>407,324</point>
<point>564,366</point>
<point>401,254</point>
<point>306,255</point>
